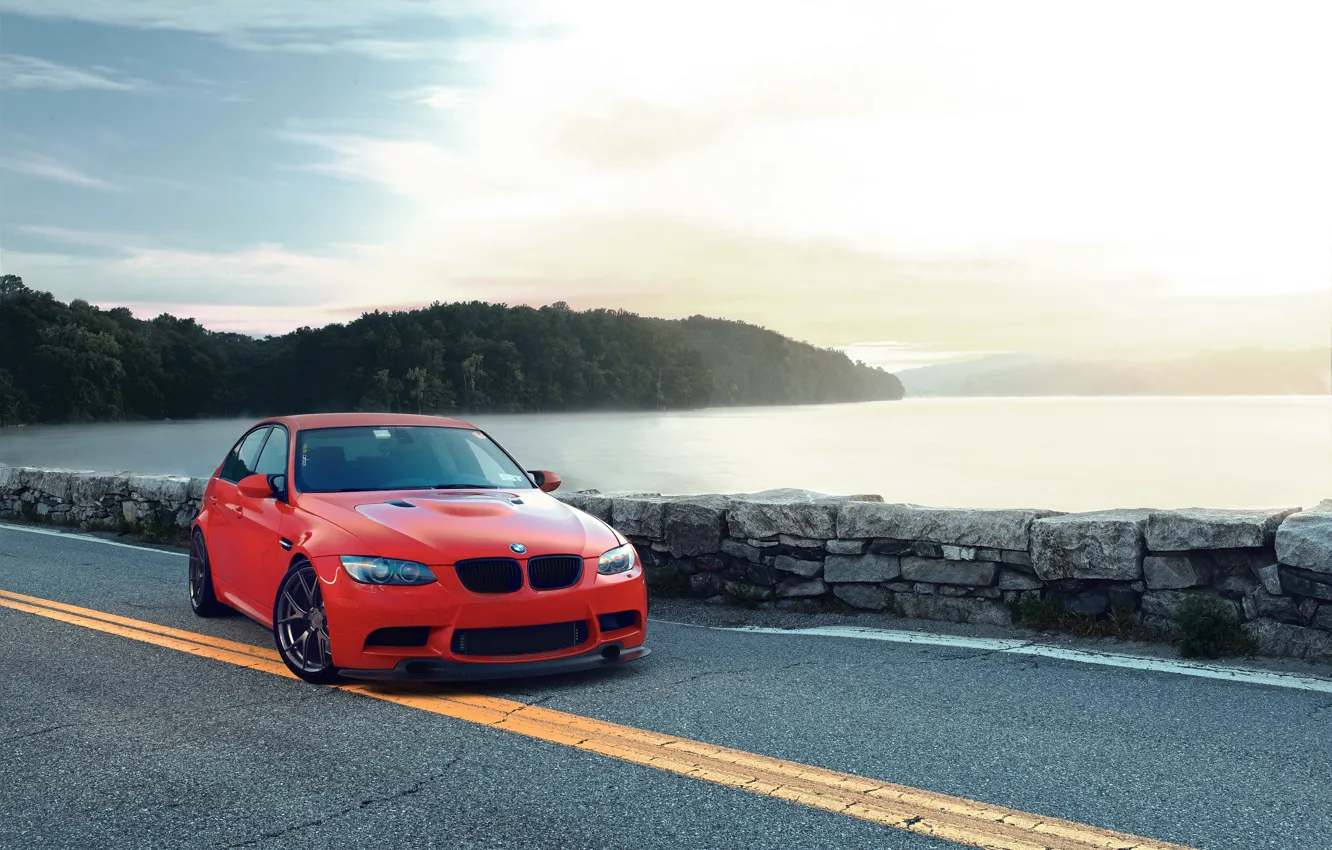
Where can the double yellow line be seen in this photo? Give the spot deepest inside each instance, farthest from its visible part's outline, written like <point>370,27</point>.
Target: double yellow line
<point>953,819</point>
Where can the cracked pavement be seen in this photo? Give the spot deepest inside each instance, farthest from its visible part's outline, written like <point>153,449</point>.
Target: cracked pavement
<point>106,742</point>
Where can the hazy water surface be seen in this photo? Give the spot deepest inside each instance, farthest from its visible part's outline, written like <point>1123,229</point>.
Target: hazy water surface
<point>1067,454</point>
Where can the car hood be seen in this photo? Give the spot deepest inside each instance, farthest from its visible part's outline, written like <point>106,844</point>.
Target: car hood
<point>441,527</point>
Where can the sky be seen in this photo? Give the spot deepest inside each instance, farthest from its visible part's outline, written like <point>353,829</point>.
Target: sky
<point>913,181</point>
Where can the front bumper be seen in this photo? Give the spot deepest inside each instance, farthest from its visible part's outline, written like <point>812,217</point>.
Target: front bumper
<point>442,670</point>
<point>356,611</point>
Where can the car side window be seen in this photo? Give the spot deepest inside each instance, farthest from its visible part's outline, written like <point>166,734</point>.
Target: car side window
<point>243,459</point>
<point>273,460</point>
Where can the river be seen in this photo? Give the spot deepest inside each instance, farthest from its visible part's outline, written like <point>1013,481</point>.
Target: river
<point>1059,453</point>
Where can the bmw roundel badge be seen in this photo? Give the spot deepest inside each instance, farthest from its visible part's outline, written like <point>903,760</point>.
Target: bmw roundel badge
<point>517,548</point>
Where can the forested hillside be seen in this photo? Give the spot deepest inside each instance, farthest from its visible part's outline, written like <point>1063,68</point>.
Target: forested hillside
<point>74,362</point>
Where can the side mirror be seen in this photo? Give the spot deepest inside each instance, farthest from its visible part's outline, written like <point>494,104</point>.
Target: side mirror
<point>255,486</point>
<point>546,480</point>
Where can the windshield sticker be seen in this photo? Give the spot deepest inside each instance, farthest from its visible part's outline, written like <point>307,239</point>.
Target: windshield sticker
<point>305,454</point>
<point>383,433</point>
<point>478,435</point>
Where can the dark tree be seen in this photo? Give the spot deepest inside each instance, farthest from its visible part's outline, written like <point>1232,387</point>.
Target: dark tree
<point>75,362</point>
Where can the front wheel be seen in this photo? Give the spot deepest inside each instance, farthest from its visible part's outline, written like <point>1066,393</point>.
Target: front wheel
<point>300,626</point>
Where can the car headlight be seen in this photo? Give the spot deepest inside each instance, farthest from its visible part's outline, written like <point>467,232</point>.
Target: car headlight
<point>617,560</point>
<point>386,570</point>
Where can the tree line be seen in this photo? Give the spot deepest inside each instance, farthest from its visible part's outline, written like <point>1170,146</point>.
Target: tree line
<point>77,363</point>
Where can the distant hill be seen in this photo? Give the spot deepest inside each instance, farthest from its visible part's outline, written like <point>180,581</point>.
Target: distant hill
<point>74,362</point>
<point>751,365</point>
<point>1235,372</point>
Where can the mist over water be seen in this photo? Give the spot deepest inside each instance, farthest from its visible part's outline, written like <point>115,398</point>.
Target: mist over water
<point>1059,453</point>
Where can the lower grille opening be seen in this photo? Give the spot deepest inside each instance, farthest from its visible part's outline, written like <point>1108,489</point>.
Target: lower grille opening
<point>519,640</point>
<point>399,636</point>
<point>618,620</point>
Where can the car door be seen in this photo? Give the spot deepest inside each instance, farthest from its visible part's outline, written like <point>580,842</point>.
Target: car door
<point>263,559</point>
<point>225,530</point>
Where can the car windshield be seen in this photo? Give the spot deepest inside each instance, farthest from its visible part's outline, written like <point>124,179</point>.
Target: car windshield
<point>402,457</point>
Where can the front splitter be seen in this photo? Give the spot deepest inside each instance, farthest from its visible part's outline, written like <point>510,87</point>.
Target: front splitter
<point>441,670</point>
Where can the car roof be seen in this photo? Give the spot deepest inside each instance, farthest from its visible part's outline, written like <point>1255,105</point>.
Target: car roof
<point>350,420</point>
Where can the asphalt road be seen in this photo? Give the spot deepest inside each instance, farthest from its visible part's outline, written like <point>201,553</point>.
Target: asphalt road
<point>108,742</point>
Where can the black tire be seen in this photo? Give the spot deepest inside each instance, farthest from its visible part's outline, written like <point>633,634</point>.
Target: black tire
<point>202,598</point>
<point>300,626</point>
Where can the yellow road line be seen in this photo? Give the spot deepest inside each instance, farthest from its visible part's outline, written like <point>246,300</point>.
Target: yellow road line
<point>209,640</point>
<point>954,819</point>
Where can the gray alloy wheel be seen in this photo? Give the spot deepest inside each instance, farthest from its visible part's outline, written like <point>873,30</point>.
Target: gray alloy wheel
<point>202,599</point>
<point>300,625</point>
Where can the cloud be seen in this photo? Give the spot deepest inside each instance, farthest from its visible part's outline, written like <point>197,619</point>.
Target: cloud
<point>129,269</point>
<point>407,167</point>
<point>46,168</point>
<point>294,26</point>
<point>962,176</point>
<point>30,72</point>
<point>436,97</point>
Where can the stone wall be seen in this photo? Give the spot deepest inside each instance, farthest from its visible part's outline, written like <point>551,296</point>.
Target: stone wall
<point>97,500</point>
<point>802,551</point>
<point>798,550</point>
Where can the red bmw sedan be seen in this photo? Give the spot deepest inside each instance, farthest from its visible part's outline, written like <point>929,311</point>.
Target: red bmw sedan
<point>410,547</point>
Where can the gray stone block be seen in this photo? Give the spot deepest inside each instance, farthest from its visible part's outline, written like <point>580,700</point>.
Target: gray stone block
<point>995,529</point>
<point>1173,572</point>
<point>861,568</point>
<point>1306,583</point>
<point>1284,640</point>
<point>1322,618</point>
<point>888,546</point>
<point>1100,545</point>
<point>955,609</point>
<point>1165,603</point>
<point>799,566</point>
<point>1270,576</point>
<point>1305,539</point>
<point>1208,528</point>
<point>1012,580</point>
<point>936,571</point>
<point>639,515</point>
<point>801,587</point>
<point>1260,603</point>
<point>960,553</point>
<point>800,542</point>
<point>846,547</point>
<point>694,527</point>
<point>867,597</point>
<point>759,517</point>
<point>736,549</point>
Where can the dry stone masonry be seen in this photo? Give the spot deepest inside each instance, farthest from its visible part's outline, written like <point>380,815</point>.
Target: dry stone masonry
<point>798,550</point>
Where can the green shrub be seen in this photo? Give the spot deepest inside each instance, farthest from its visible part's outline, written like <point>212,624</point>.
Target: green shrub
<point>1209,628</point>
<point>1038,613</point>
<point>153,530</point>
<point>1048,615</point>
<point>666,583</point>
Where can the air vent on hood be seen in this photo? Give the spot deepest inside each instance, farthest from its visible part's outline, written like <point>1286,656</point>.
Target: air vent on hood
<point>399,503</point>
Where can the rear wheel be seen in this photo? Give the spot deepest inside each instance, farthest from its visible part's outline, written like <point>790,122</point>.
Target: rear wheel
<point>202,599</point>
<point>300,626</point>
